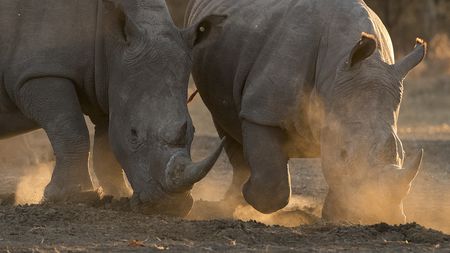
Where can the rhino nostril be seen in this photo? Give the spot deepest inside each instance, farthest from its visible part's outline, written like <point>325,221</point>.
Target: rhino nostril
<point>181,135</point>
<point>134,132</point>
<point>344,154</point>
<point>183,129</point>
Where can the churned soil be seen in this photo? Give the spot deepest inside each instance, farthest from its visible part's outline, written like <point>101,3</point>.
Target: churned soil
<point>81,228</point>
<point>111,226</point>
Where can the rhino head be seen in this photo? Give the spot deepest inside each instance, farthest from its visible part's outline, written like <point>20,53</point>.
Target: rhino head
<point>362,156</point>
<point>149,62</point>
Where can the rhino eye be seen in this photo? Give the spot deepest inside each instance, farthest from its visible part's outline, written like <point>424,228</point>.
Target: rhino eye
<point>134,139</point>
<point>202,32</point>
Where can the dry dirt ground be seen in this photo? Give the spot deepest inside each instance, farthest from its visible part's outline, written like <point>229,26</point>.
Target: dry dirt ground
<point>425,122</point>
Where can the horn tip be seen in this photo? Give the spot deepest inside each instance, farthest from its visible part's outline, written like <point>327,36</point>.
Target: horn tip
<point>419,158</point>
<point>421,42</point>
<point>365,35</point>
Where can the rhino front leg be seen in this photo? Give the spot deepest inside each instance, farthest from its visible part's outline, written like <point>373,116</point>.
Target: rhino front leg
<point>268,189</point>
<point>53,104</point>
<point>106,167</point>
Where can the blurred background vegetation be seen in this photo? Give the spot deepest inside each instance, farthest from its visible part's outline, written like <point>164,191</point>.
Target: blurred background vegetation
<point>405,19</point>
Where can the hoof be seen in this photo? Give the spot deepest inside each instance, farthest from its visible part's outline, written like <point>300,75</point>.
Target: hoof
<point>265,201</point>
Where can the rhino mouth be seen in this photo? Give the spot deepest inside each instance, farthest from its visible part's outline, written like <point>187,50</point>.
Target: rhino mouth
<point>379,200</point>
<point>157,201</point>
<point>172,194</point>
<point>336,212</point>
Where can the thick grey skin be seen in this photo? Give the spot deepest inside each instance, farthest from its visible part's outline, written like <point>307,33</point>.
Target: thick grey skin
<point>122,63</point>
<point>296,78</point>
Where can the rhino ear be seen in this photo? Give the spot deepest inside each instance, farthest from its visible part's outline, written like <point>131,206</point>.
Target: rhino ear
<point>363,49</point>
<point>207,27</point>
<point>113,21</point>
<point>118,24</point>
<point>131,30</point>
<point>412,59</point>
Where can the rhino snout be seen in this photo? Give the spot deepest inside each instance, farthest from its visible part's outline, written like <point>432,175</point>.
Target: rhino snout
<point>178,204</point>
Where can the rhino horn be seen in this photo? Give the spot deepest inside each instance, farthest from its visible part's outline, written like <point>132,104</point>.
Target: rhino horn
<point>412,59</point>
<point>181,173</point>
<point>411,168</point>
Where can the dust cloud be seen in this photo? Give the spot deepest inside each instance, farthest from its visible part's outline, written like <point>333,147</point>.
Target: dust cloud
<point>209,205</point>
<point>30,188</point>
<point>300,211</point>
<point>438,219</point>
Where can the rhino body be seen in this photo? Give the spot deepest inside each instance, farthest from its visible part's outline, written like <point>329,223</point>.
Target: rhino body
<point>37,42</point>
<point>122,63</point>
<point>304,78</point>
<point>51,41</point>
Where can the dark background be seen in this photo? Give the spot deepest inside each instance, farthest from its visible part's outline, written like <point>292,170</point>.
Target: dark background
<point>405,19</point>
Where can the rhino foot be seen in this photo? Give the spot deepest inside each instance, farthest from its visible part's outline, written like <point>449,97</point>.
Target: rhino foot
<point>265,198</point>
<point>70,194</point>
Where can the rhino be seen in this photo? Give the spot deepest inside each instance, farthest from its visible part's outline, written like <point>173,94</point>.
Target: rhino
<point>305,79</point>
<point>126,66</point>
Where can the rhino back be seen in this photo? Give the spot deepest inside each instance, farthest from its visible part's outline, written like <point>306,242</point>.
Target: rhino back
<point>272,55</point>
<point>47,38</point>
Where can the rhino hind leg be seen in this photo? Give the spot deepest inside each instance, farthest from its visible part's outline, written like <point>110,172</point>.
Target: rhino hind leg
<point>241,173</point>
<point>268,188</point>
<point>53,104</point>
<point>241,170</point>
<point>106,167</point>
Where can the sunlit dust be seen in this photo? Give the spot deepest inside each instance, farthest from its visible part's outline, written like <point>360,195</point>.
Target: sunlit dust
<point>30,188</point>
<point>300,211</point>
